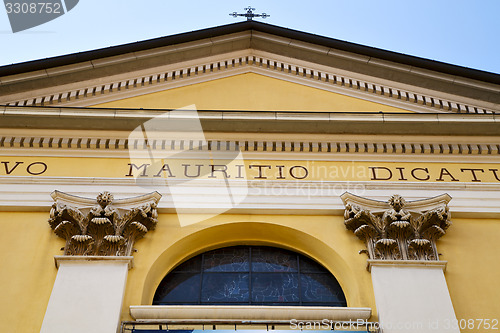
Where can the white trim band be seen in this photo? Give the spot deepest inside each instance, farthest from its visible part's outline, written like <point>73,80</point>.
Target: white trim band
<point>247,312</point>
<point>129,260</point>
<point>405,263</point>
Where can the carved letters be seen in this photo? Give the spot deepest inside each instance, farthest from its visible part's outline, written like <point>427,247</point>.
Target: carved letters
<point>393,231</point>
<point>104,229</point>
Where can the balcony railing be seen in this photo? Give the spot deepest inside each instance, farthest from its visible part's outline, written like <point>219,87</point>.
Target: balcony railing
<point>253,326</point>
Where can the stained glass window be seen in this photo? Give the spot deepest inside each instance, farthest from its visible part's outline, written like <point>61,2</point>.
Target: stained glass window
<point>242,275</point>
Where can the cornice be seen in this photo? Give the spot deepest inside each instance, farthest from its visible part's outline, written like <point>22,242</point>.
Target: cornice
<point>255,33</point>
<point>321,133</point>
<point>284,197</point>
<point>111,118</point>
<point>305,50</point>
<point>291,38</point>
<point>190,72</point>
<point>52,145</point>
<point>161,54</point>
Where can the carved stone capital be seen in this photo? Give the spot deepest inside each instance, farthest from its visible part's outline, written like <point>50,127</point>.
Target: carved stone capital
<point>396,229</point>
<point>102,226</point>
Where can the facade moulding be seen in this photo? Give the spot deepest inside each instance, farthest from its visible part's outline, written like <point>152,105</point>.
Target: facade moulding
<point>445,134</point>
<point>129,260</point>
<point>52,144</point>
<point>479,201</point>
<point>250,61</point>
<point>249,34</point>
<point>406,263</point>
<point>176,51</point>
<point>237,313</point>
<point>295,46</point>
<point>442,126</point>
<point>398,230</point>
<point>265,155</point>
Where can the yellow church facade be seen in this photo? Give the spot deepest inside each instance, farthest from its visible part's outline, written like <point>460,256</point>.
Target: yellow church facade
<point>315,183</point>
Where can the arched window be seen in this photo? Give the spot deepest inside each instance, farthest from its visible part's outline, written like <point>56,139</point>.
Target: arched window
<point>255,275</point>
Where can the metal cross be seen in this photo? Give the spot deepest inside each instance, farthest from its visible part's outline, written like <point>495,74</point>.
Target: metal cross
<point>249,14</point>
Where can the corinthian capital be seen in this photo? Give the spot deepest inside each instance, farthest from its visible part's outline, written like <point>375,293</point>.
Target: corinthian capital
<point>396,229</point>
<point>102,226</point>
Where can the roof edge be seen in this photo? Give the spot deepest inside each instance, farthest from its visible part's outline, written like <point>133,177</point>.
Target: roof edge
<point>121,119</point>
<point>400,58</point>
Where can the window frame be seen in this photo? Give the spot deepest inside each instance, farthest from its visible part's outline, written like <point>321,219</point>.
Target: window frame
<point>297,271</point>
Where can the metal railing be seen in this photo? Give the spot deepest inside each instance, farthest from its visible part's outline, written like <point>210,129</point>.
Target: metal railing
<point>158,326</point>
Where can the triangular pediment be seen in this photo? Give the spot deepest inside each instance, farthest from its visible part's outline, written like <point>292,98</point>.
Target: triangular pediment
<point>248,92</point>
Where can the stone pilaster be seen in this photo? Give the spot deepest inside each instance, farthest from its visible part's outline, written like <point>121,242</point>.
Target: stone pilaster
<point>410,288</point>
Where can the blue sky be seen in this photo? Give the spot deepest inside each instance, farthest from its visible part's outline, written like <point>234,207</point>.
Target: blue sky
<point>465,33</point>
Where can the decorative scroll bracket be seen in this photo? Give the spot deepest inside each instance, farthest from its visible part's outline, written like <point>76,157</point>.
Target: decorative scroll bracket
<point>397,230</point>
<point>104,226</point>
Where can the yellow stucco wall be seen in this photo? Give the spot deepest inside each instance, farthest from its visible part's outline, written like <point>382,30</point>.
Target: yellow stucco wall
<point>29,245</point>
<point>28,272</point>
<point>250,92</point>
<point>472,250</point>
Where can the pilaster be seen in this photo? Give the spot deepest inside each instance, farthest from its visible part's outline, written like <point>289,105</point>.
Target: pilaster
<point>410,288</point>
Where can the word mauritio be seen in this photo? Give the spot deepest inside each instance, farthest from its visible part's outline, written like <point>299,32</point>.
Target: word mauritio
<point>263,171</point>
<point>423,174</point>
<point>221,170</point>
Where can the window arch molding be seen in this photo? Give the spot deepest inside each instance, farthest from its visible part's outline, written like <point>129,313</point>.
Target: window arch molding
<point>252,233</point>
